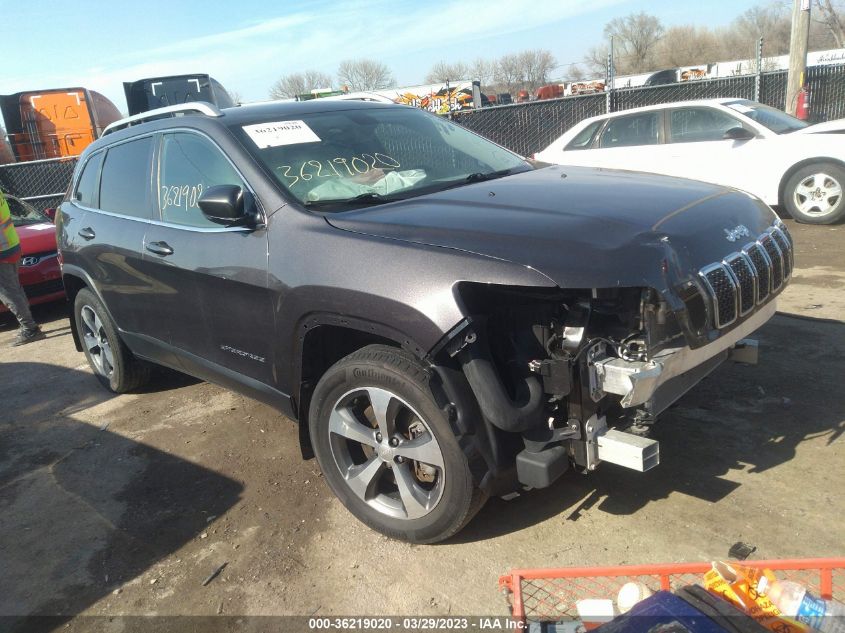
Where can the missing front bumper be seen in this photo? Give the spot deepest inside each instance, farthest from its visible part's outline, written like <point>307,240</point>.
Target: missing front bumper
<point>639,381</point>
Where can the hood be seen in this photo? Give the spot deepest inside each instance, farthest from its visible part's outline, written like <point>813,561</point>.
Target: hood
<point>37,238</point>
<point>828,127</point>
<point>580,227</point>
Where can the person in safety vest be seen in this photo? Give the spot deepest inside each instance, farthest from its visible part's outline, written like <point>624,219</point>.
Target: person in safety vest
<point>11,292</point>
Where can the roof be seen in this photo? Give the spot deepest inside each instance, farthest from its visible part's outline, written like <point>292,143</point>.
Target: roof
<point>260,112</point>
<point>671,104</point>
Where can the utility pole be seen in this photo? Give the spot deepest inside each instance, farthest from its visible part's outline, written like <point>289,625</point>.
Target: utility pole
<point>797,53</point>
<point>608,79</point>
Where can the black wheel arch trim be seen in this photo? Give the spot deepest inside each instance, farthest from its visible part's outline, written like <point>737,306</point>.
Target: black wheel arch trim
<point>302,388</point>
<point>69,270</point>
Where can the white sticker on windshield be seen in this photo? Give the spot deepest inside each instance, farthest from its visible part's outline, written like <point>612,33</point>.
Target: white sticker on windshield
<point>744,109</point>
<point>277,133</point>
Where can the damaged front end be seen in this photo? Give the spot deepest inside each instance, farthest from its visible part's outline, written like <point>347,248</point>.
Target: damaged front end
<point>579,376</point>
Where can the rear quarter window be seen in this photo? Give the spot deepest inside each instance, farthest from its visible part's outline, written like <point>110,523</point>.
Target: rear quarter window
<point>86,193</point>
<point>584,138</point>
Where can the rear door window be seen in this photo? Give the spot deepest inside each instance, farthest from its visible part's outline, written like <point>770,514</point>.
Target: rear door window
<point>189,165</point>
<point>125,183</point>
<point>636,129</point>
<point>695,125</point>
<point>86,193</point>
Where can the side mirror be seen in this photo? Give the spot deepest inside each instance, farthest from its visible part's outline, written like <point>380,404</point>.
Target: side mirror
<point>738,133</point>
<point>229,205</point>
<point>50,213</point>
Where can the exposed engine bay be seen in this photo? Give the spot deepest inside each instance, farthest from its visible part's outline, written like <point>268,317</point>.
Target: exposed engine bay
<point>580,376</point>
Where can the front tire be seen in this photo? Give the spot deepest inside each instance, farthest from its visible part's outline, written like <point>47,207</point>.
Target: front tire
<point>387,450</point>
<point>111,361</point>
<point>813,194</point>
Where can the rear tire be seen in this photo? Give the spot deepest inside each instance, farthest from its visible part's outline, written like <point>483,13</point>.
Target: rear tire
<point>113,364</point>
<point>813,194</point>
<point>373,420</point>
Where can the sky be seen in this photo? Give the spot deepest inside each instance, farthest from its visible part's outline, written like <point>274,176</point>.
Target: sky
<point>248,44</point>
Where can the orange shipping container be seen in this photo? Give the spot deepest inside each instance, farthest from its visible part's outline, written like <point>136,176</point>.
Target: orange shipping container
<point>55,123</point>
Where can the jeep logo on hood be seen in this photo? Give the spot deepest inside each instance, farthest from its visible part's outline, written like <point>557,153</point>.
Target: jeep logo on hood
<point>734,234</point>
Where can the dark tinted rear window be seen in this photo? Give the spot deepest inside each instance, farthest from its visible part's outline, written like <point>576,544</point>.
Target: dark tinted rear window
<point>86,188</point>
<point>125,183</point>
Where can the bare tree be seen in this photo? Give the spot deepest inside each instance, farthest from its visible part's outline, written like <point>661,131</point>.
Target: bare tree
<point>575,73</point>
<point>830,18</point>
<point>772,22</point>
<point>364,74</point>
<point>508,74</point>
<point>235,96</point>
<point>596,60</point>
<point>686,46</point>
<point>299,83</point>
<point>483,70</point>
<point>442,72</point>
<point>635,39</point>
<point>536,66</point>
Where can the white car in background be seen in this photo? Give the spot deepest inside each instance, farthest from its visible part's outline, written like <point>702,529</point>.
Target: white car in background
<point>733,142</point>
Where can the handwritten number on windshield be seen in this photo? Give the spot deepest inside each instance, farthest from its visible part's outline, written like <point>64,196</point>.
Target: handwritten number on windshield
<point>337,167</point>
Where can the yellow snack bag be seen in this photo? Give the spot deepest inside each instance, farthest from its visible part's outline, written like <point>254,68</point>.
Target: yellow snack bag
<point>738,585</point>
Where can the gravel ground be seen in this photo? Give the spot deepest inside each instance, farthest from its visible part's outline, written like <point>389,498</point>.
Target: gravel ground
<point>115,506</point>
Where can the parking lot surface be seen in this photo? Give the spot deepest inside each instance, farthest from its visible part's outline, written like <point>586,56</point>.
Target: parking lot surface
<point>121,505</point>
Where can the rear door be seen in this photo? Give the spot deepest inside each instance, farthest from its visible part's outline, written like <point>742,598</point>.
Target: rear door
<point>633,141</point>
<point>111,237</point>
<point>213,278</point>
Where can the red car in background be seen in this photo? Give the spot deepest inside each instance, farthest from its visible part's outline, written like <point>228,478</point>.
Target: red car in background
<point>39,270</point>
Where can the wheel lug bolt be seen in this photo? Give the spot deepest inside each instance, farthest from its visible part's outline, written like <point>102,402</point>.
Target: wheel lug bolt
<point>378,437</point>
<point>394,441</point>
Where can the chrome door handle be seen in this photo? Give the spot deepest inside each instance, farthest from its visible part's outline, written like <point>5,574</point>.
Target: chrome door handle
<point>87,233</point>
<point>160,248</point>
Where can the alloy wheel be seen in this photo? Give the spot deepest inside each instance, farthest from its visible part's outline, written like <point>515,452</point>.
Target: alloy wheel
<point>386,453</point>
<point>817,194</point>
<point>96,342</point>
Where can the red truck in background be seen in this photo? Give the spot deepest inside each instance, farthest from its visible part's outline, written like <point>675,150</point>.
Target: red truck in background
<point>55,123</point>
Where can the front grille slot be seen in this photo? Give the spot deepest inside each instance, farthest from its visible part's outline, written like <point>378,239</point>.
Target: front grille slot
<point>744,279</point>
<point>744,274</point>
<point>762,265</point>
<point>773,252</point>
<point>724,292</point>
<point>783,243</point>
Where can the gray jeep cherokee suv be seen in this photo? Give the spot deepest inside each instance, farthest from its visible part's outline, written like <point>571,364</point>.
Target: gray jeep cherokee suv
<point>445,320</point>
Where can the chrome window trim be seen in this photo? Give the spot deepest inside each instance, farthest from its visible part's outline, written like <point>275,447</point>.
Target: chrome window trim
<point>703,274</point>
<point>211,229</point>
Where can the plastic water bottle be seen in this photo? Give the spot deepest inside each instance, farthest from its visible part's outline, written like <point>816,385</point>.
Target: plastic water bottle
<point>795,602</point>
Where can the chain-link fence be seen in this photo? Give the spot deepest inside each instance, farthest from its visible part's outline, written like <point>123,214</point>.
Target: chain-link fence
<point>42,183</point>
<point>527,128</point>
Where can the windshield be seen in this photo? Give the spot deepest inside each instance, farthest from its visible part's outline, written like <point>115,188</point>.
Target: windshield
<point>776,120</point>
<point>351,158</point>
<point>24,214</point>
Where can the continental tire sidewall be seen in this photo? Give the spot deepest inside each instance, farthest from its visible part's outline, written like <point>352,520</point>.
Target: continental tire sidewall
<point>379,366</point>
